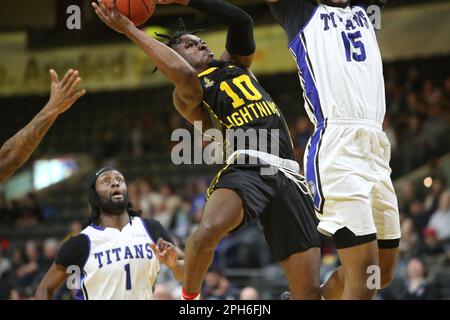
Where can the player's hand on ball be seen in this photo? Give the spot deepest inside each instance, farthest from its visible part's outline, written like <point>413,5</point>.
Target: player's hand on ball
<point>64,93</point>
<point>165,252</point>
<point>112,17</point>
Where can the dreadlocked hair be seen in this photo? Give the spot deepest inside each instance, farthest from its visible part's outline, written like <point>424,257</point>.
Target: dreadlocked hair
<point>175,38</point>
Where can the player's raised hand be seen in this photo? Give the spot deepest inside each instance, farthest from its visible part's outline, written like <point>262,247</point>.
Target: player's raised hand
<point>64,93</point>
<point>165,252</point>
<point>112,17</point>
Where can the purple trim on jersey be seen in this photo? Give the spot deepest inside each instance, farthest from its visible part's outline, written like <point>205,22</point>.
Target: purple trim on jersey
<point>306,24</point>
<point>89,251</point>
<point>298,48</point>
<point>100,228</point>
<point>80,294</point>
<point>146,229</point>
<point>312,168</point>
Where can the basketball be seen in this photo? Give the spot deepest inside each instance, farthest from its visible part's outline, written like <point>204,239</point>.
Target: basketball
<point>137,11</point>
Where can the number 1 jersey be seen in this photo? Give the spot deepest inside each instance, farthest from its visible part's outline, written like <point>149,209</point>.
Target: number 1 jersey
<point>111,264</point>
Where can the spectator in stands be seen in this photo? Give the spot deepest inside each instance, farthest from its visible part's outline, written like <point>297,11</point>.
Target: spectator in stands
<point>430,245</point>
<point>418,214</point>
<point>15,295</point>
<point>165,212</point>
<point>216,286</point>
<point>409,237</point>
<point>431,202</point>
<point>416,286</point>
<point>27,272</point>
<point>440,220</point>
<point>249,293</point>
<point>145,196</point>
<point>406,196</point>
<point>181,222</point>
<point>50,250</point>
<point>17,258</point>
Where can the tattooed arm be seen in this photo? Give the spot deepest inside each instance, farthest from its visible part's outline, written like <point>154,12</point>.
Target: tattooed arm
<point>16,151</point>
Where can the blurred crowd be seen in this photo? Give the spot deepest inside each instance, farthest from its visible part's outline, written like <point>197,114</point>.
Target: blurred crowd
<point>423,269</point>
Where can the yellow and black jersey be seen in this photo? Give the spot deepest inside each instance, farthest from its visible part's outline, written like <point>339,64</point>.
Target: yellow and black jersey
<point>234,99</point>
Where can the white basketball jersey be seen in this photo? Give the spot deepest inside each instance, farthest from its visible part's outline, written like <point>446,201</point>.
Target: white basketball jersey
<point>340,66</point>
<point>121,264</point>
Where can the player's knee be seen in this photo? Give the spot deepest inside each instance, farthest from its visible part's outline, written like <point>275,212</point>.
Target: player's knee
<point>207,236</point>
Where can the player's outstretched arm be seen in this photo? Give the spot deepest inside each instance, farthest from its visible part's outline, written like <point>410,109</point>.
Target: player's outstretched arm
<point>168,254</point>
<point>240,45</point>
<point>51,282</point>
<point>16,151</point>
<point>188,91</point>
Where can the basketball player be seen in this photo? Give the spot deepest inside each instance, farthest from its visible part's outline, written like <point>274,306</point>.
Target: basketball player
<point>117,254</point>
<point>347,159</point>
<point>16,151</point>
<point>224,94</point>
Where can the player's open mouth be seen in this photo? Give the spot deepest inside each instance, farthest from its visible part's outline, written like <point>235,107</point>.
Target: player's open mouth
<point>117,195</point>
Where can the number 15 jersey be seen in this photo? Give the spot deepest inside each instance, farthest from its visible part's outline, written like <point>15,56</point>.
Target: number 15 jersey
<point>340,66</point>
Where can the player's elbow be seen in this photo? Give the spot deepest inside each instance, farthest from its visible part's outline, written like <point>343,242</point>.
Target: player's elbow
<point>206,237</point>
<point>8,165</point>
<point>244,22</point>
